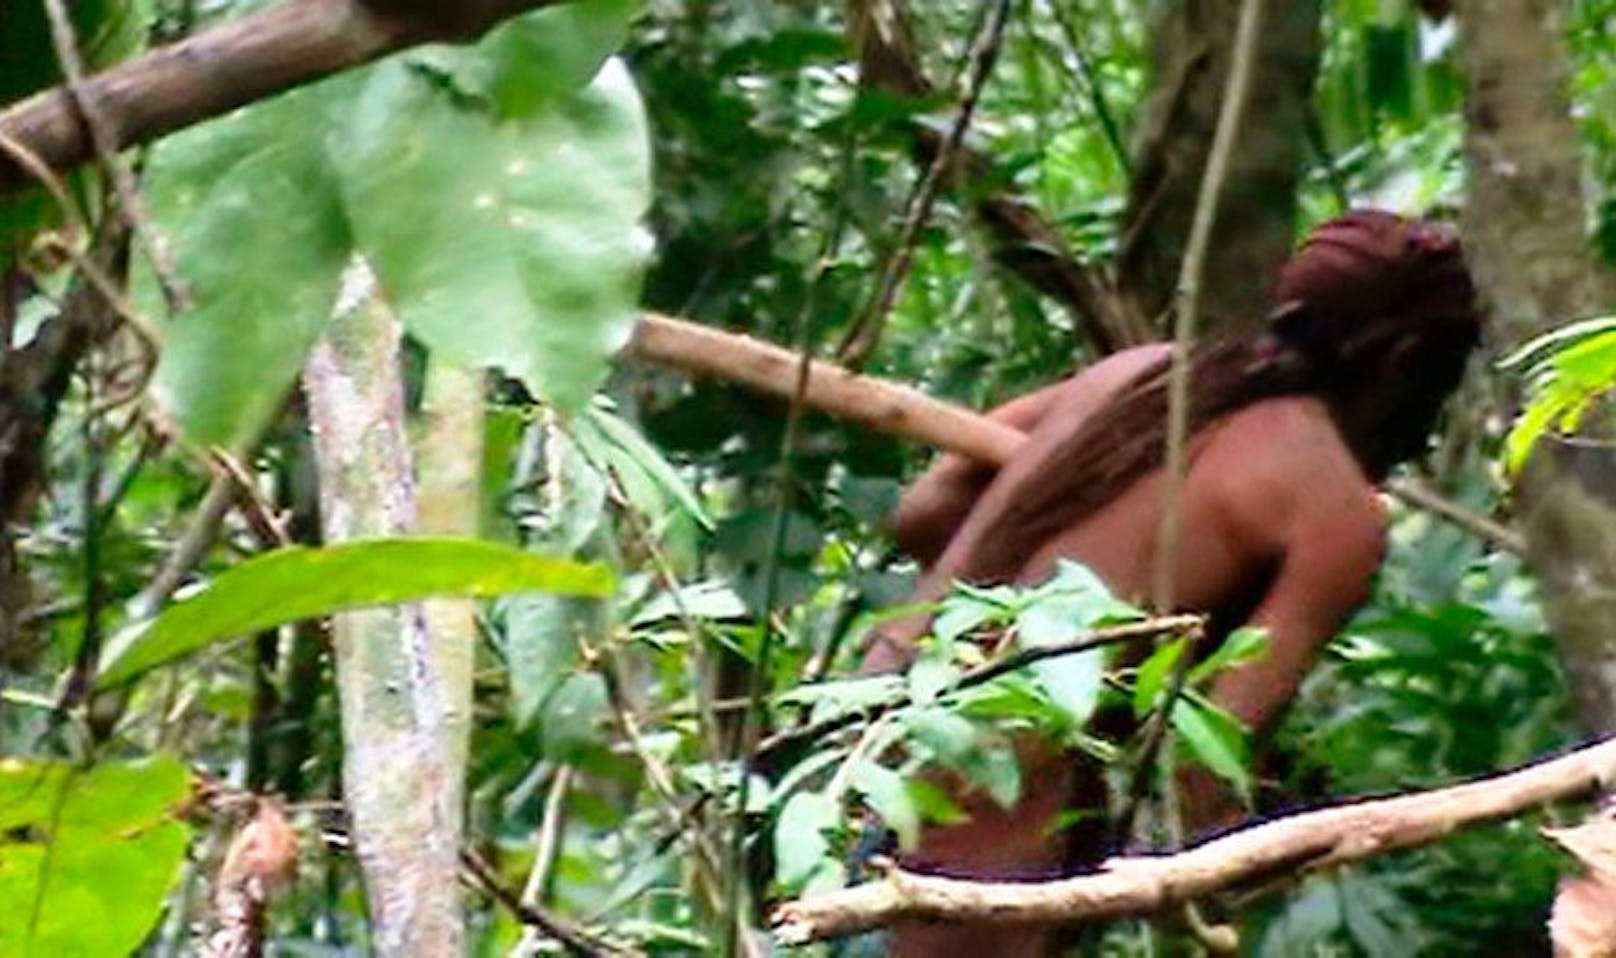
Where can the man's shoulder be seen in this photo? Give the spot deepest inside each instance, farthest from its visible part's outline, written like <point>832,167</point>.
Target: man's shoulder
<point>1280,466</point>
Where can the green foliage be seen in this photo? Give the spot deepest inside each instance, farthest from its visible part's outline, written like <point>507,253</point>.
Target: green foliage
<point>302,583</point>
<point>255,184</point>
<point>498,191</point>
<point>1423,691</point>
<point>502,224</point>
<point>87,857</point>
<point>1566,370</point>
<point>108,30</point>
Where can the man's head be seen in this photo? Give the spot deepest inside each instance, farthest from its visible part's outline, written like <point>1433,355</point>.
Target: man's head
<point>1384,312</point>
<point>1375,317</point>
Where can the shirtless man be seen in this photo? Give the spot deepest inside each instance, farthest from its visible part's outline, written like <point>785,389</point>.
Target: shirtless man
<point>1280,525</point>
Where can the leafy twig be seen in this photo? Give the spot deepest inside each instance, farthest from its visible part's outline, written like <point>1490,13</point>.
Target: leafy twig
<point>865,333</point>
<point>1109,635</point>
<point>1300,844</point>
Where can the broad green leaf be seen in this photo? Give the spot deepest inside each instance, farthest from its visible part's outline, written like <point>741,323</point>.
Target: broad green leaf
<point>541,634</point>
<point>930,676</point>
<point>947,737</point>
<point>842,695</point>
<point>935,804</point>
<point>712,599</point>
<point>1081,599</point>
<point>572,722</point>
<point>539,56</point>
<point>87,858</point>
<point>1536,351</point>
<point>639,466</point>
<point>884,791</point>
<point>800,845</point>
<point>952,741</point>
<point>513,243</point>
<point>1568,369</point>
<point>1215,738</point>
<point>1245,644</point>
<point>1153,672</point>
<point>257,235</point>
<point>300,583</point>
<point>961,614</point>
<point>1072,680</point>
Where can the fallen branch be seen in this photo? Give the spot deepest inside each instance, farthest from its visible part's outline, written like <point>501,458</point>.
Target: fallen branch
<point>1310,841</point>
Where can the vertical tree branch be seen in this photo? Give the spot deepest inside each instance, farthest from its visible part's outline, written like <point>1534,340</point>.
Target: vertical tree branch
<point>1187,299</point>
<point>400,780</point>
<point>451,504</point>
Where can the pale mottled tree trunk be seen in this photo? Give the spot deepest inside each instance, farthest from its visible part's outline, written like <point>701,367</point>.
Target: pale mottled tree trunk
<point>451,463</point>
<point>1526,237</point>
<point>402,720</point>
<point>1256,223</point>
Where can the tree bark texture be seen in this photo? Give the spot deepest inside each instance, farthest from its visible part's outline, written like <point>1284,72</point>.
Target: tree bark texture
<point>1256,223</point>
<point>451,505</point>
<point>401,783</point>
<point>1527,243</point>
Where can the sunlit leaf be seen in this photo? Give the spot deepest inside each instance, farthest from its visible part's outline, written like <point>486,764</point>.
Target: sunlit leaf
<point>1215,739</point>
<point>87,857</point>
<point>572,722</point>
<point>929,676</point>
<point>884,791</point>
<point>300,583</point>
<point>800,845</point>
<point>538,56</point>
<point>636,463</point>
<point>1152,675</point>
<point>1244,644</point>
<point>1566,370</point>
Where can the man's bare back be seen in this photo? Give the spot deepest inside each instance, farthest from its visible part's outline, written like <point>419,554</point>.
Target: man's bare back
<point>1280,523</point>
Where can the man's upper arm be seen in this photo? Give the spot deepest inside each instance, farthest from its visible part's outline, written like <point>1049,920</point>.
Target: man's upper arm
<point>1327,563</point>
<point>933,507</point>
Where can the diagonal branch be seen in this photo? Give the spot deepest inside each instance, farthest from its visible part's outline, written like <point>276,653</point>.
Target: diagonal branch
<point>1310,841</point>
<point>1025,243</point>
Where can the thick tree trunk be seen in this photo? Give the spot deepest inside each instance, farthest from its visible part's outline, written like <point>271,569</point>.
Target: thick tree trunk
<point>1525,232</point>
<point>1256,221</point>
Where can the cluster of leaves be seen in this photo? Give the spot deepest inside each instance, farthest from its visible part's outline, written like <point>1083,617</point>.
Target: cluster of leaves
<point>1568,371</point>
<point>1448,674</point>
<point>938,718</point>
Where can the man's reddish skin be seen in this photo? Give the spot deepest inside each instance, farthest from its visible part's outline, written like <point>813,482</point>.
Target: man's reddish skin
<point>1273,505</point>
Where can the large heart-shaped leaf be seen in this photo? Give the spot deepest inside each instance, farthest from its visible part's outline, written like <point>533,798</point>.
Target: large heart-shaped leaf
<point>259,241</point>
<point>512,243</point>
<point>496,190</point>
